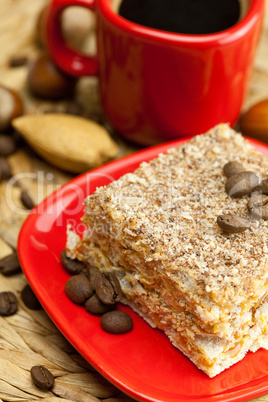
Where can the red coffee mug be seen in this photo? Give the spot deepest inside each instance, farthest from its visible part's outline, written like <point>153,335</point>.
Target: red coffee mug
<point>157,86</point>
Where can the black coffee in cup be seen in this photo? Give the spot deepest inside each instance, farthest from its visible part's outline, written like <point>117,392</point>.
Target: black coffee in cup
<point>182,16</point>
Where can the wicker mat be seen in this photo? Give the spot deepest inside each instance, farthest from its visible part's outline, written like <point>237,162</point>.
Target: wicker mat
<point>29,337</point>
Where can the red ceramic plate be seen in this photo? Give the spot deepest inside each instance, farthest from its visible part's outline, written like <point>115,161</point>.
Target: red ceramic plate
<point>142,363</point>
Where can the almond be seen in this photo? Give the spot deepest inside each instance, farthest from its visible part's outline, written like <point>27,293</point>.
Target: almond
<point>68,142</point>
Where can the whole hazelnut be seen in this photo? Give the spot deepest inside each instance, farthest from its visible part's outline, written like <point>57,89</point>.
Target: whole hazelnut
<point>77,27</point>
<point>77,24</point>
<point>11,106</point>
<point>254,123</point>
<point>46,81</point>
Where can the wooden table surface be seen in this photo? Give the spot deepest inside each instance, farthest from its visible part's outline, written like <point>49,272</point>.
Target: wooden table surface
<point>29,337</point>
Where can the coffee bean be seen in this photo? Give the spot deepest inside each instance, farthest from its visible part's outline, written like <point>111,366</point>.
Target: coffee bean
<point>42,377</point>
<point>8,303</point>
<point>263,187</point>
<point>116,322</point>
<point>231,168</point>
<point>115,284</point>
<point>85,272</point>
<point>258,206</point>
<point>10,265</point>
<point>104,290</point>
<point>94,306</point>
<point>233,223</point>
<point>5,169</point>
<point>29,298</point>
<point>72,266</point>
<point>93,274</point>
<point>26,200</point>
<point>18,61</point>
<point>78,288</point>
<point>7,145</point>
<point>241,184</point>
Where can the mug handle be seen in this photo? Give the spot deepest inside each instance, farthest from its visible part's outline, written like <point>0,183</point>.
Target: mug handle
<point>69,60</point>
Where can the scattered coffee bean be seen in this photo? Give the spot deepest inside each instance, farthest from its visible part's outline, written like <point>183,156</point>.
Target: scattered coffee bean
<point>72,266</point>
<point>93,273</point>
<point>85,271</point>
<point>94,306</point>
<point>233,223</point>
<point>116,322</point>
<point>5,169</point>
<point>78,288</point>
<point>241,184</point>
<point>7,145</point>
<point>26,200</point>
<point>231,168</point>
<point>29,298</point>
<point>258,206</point>
<point>85,281</point>
<point>18,61</point>
<point>46,81</point>
<point>8,304</point>
<point>115,284</point>
<point>42,377</point>
<point>104,290</point>
<point>263,187</point>
<point>10,265</point>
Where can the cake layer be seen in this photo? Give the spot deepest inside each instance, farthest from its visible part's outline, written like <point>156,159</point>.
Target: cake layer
<point>185,312</point>
<point>209,352</point>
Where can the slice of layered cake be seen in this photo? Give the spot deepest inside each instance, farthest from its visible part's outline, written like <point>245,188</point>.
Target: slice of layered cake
<point>157,230</point>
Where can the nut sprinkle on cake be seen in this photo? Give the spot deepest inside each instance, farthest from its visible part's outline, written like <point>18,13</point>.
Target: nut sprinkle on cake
<point>163,230</point>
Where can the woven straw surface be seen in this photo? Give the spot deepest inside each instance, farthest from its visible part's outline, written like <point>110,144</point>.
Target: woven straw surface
<point>29,337</point>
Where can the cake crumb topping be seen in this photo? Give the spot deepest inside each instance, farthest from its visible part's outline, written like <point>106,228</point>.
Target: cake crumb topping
<point>168,208</point>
